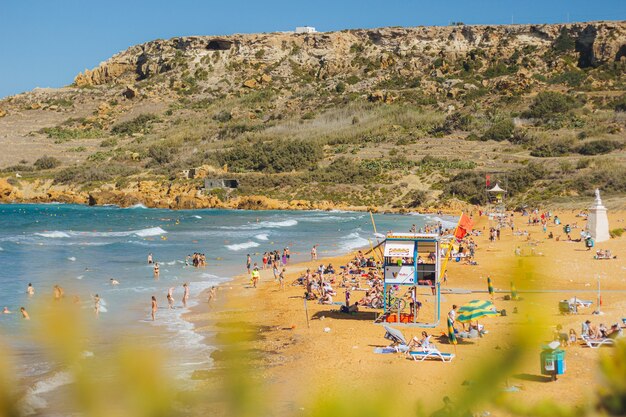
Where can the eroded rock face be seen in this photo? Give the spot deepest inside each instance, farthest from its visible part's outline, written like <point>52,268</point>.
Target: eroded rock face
<point>332,53</point>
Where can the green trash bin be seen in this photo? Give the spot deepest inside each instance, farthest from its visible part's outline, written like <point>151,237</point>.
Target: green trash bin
<point>552,361</point>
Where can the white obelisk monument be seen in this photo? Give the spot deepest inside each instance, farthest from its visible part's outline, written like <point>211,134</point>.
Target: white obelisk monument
<point>598,222</point>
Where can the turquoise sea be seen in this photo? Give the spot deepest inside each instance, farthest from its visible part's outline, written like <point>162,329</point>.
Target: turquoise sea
<point>81,248</point>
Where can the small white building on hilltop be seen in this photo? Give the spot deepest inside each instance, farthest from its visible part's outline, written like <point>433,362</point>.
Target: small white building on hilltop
<point>305,29</point>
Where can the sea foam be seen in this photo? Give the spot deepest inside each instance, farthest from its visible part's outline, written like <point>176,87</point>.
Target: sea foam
<point>241,246</point>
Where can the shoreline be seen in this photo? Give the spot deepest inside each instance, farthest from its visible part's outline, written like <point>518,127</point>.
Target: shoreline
<point>278,319</point>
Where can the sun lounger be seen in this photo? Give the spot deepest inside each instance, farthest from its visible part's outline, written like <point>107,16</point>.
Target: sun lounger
<point>431,353</point>
<point>596,343</point>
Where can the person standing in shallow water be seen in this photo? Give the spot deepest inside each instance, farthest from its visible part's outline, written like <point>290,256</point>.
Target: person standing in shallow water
<point>30,290</point>
<point>157,270</point>
<point>248,263</point>
<point>149,258</point>
<point>25,315</point>
<point>154,307</point>
<point>186,294</point>
<point>170,298</point>
<point>96,304</point>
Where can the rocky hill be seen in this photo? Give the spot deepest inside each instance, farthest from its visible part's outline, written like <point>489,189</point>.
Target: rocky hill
<point>390,118</point>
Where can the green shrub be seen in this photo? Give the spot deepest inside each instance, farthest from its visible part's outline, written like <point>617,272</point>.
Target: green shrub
<point>139,124</point>
<point>549,103</point>
<point>223,116</point>
<point>273,156</point>
<point>500,68</point>
<point>599,147</point>
<point>47,162</point>
<point>340,87</point>
<point>615,233</point>
<point>552,148</point>
<point>90,173</point>
<point>499,131</point>
<point>161,154</point>
<point>570,78</point>
<point>564,42</point>
<point>62,134</point>
<point>353,79</point>
<point>108,143</point>
<point>583,163</point>
<point>620,104</point>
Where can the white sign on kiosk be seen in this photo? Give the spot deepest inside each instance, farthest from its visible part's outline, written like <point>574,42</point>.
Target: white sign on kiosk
<point>399,249</point>
<point>399,274</point>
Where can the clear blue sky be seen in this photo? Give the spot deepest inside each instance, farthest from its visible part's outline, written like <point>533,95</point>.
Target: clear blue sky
<point>45,43</point>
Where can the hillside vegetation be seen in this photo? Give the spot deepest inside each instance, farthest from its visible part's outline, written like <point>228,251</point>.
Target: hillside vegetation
<point>390,118</point>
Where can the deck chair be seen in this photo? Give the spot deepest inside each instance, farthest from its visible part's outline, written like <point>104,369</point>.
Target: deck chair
<point>596,343</point>
<point>398,341</point>
<point>431,353</point>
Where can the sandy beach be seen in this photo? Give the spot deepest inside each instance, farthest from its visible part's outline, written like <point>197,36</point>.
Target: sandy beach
<point>334,352</point>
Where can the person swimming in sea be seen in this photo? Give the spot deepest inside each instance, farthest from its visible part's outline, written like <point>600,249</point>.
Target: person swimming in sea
<point>114,281</point>
<point>6,310</point>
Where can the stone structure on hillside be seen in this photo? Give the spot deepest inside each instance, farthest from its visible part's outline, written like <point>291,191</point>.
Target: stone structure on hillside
<point>598,221</point>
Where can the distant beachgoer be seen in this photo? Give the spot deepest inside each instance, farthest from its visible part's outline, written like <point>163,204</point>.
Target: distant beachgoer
<point>156,270</point>
<point>154,307</point>
<point>314,253</point>
<point>186,294</point>
<point>114,281</point>
<point>96,304</point>
<point>248,263</point>
<point>150,258</point>
<point>281,279</point>
<point>255,276</point>
<point>25,315</point>
<point>212,294</point>
<point>275,271</point>
<point>30,290</point>
<point>6,310</point>
<point>170,298</point>
<point>287,255</point>
<point>58,292</point>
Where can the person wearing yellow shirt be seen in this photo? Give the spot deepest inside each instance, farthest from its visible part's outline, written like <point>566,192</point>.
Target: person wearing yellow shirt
<point>255,277</point>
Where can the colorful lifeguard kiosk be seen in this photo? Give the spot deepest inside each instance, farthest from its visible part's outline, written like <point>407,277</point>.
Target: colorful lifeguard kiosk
<point>412,271</point>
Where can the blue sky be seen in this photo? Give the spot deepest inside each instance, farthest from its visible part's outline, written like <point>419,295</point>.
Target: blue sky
<point>45,43</point>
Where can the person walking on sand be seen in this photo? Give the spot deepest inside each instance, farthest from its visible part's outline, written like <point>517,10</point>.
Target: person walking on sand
<point>281,279</point>
<point>185,294</point>
<point>255,276</point>
<point>30,290</point>
<point>154,307</point>
<point>25,315</point>
<point>170,298</point>
<point>248,263</point>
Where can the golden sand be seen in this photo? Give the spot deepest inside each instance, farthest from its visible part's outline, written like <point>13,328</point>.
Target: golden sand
<point>298,361</point>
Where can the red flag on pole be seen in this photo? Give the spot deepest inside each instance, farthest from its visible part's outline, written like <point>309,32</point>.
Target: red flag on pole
<point>464,227</point>
<point>488,180</point>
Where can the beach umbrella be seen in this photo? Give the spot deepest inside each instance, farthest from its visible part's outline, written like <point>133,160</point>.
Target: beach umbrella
<point>490,286</point>
<point>451,335</point>
<point>476,309</point>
